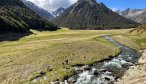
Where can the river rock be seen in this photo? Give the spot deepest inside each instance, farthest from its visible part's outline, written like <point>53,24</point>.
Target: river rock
<point>86,67</point>
<point>96,72</point>
<point>103,70</point>
<point>125,65</point>
<point>110,80</point>
<point>56,82</point>
<point>72,80</point>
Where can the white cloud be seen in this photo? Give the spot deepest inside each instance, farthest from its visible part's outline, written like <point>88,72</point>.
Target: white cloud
<point>52,5</point>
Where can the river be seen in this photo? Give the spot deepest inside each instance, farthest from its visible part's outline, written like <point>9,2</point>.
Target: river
<point>106,71</point>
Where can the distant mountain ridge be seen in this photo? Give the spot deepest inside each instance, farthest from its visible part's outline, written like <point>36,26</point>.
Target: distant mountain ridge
<point>16,17</point>
<point>88,14</point>
<point>138,15</point>
<point>40,11</point>
<point>58,12</point>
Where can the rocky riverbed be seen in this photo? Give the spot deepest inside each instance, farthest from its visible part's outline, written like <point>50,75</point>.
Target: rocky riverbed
<point>136,74</point>
<point>107,71</point>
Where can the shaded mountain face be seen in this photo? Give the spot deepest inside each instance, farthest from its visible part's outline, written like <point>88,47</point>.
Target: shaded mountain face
<point>43,13</point>
<point>16,17</point>
<point>11,3</point>
<point>88,14</point>
<point>58,12</point>
<point>138,15</point>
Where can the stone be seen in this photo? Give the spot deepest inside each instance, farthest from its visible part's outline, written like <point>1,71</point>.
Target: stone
<point>86,67</point>
<point>96,73</point>
<point>42,73</point>
<point>72,80</point>
<point>49,68</point>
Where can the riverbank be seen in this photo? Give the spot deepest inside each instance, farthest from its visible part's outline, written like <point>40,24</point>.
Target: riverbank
<point>136,74</point>
<point>106,71</point>
<point>49,56</point>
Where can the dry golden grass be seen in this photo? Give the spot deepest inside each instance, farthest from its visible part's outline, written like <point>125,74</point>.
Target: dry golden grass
<point>134,40</point>
<point>23,59</point>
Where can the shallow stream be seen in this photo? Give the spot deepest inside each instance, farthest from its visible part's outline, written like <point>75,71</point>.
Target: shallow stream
<point>106,71</point>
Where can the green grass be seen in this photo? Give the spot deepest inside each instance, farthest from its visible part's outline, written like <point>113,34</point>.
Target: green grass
<point>23,59</point>
<point>134,40</point>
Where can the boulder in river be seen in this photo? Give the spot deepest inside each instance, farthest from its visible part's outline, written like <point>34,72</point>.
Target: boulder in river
<point>86,67</point>
<point>73,79</point>
<point>96,72</point>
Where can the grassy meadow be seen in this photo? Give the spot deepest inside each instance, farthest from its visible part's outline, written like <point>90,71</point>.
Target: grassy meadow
<point>134,40</point>
<point>23,59</point>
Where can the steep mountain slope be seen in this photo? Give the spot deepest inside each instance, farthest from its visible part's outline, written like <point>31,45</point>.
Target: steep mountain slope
<point>138,15</point>
<point>88,14</point>
<point>58,12</point>
<point>16,17</point>
<point>43,13</point>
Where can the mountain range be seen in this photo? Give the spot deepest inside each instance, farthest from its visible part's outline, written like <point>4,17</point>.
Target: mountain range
<point>16,17</point>
<point>88,14</point>
<point>21,15</point>
<point>40,11</point>
<point>138,15</point>
<point>43,13</point>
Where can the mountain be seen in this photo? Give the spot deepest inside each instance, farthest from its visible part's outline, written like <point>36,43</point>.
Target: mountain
<point>88,14</point>
<point>138,15</point>
<point>58,12</point>
<point>43,13</point>
<point>16,17</point>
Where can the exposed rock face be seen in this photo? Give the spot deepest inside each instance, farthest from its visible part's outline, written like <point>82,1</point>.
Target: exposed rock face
<point>138,15</point>
<point>58,12</point>
<point>89,1</point>
<point>88,14</point>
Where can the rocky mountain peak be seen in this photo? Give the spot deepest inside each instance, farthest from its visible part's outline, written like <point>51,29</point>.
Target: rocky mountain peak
<point>88,14</point>
<point>40,11</point>
<point>88,1</point>
<point>138,15</point>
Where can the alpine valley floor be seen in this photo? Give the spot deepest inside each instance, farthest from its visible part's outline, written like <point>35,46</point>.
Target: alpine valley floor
<point>54,53</point>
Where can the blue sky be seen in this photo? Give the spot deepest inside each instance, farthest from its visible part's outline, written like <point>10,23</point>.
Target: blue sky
<point>52,5</point>
<point>124,4</point>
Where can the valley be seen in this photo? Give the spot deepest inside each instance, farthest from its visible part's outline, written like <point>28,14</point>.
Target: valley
<point>72,42</point>
<point>24,59</point>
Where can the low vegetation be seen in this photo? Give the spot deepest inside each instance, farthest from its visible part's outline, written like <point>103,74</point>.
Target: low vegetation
<point>139,29</point>
<point>23,60</point>
<point>136,38</point>
<point>48,56</point>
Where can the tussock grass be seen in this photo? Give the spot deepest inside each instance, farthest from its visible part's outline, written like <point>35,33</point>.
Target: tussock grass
<point>24,59</point>
<point>134,40</point>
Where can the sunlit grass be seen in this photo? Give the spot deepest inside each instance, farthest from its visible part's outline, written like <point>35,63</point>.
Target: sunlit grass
<point>133,40</point>
<point>23,59</point>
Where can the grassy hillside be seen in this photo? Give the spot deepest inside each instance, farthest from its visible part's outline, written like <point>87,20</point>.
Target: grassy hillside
<point>15,17</point>
<point>139,29</point>
<point>136,38</point>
